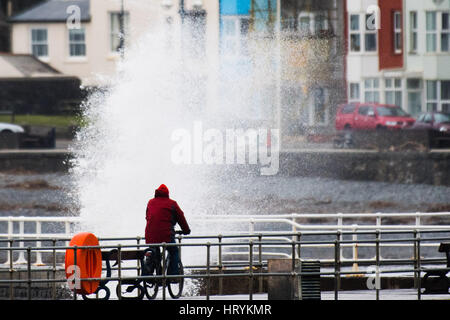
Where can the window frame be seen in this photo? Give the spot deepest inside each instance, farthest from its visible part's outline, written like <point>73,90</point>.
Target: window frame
<point>352,98</point>
<point>431,32</point>
<point>239,46</point>
<point>443,31</point>
<point>394,89</point>
<point>34,43</point>
<point>372,89</point>
<point>369,32</point>
<point>77,42</point>
<point>398,32</point>
<point>413,30</point>
<point>355,32</point>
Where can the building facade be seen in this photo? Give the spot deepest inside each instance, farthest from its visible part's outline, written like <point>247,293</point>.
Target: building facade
<point>399,53</point>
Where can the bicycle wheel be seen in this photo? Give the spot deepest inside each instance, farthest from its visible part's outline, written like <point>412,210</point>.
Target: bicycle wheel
<point>150,289</point>
<point>175,285</point>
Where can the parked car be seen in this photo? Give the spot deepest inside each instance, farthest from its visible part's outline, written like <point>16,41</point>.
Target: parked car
<point>438,121</point>
<point>10,128</point>
<point>370,116</point>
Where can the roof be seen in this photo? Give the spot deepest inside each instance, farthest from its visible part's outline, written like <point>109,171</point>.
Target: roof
<point>53,11</point>
<point>25,66</point>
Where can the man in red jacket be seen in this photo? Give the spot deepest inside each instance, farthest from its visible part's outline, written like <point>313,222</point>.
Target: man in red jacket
<point>162,215</point>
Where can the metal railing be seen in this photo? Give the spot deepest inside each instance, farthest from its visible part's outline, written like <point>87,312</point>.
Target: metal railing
<point>255,268</point>
<point>339,222</point>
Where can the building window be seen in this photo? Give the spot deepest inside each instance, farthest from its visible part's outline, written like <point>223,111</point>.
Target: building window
<point>445,96</point>
<point>370,38</point>
<point>39,42</point>
<point>354,92</point>
<point>445,32</point>
<point>362,37</point>
<point>393,91</point>
<point>304,24</point>
<point>413,31</point>
<point>372,90</point>
<point>398,42</point>
<point>77,42</point>
<point>234,32</point>
<point>117,39</point>
<point>355,33</point>
<point>431,32</point>
<point>438,31</point>
<point>414,87</point>
<point>432,96</point>
<point>438,95</point>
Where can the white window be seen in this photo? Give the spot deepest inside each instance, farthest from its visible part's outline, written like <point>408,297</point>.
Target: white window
<point>234,32</point>
<point>362,37</point>
<point>310,23</point>
<point>77,42</point>
<point>432,96</point>
<point>445,32</point>
<point>438,95</point>
<point>414,87</point>
<point>445,96</point>
<point>413,31</point>
<point>398,41</point>
<point>431,30</point>
<point>118,33</point>
<point>438,31</point>
<point>305,26</point>
<point>393,91</point>
<point>370,38</point>
<point>372,90</point>
<point>39,42</point>
<point>354,92</point>
<point>355,33</point>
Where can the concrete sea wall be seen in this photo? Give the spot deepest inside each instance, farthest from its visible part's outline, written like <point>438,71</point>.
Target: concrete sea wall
<point>432,167</point>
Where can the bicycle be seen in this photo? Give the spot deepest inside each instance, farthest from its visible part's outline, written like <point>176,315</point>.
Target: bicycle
<point>153,266</point>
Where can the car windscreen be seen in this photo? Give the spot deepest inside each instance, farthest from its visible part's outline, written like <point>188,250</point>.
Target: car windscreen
<point>391,112</point>
<point>442,118</point>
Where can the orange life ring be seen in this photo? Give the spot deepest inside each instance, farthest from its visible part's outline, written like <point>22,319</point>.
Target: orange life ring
<point>89,262</point>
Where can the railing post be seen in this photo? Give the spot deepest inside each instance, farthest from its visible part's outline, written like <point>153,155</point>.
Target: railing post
<point>11,269</point>
<point>377,270</point>
<point>138,261</point>
<point>260,279</point>
<point>418,222</point>
<point>21,259</point>
<point>340,224</point>
<point>419,266</point>
<point>250,284</point>
<point>355,248</point>
<point>208,263</point>
<point>337,267</point>
<point>29,272</point>
<point>39,245</point>
<point>75,253</point>
<point>119,269</point>
<point>164,269</point>
<point>299,235</point>
<point>54,269</point>
<point>220,264</point>
<point>10,237</point>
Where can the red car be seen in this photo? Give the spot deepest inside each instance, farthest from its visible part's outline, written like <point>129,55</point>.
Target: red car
<point>438,121</point>
<point>370,116</point>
